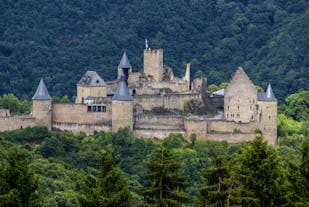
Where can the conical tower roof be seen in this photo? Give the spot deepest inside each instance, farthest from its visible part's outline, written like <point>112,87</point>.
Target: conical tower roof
<point>124,62</point>
<point>41,92</point>
<point>269,95</point>
<point>122,93</point>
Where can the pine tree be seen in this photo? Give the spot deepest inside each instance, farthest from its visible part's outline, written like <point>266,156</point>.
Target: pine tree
<point>167,185</point>
<point>218,183</point>
<point>110,189</point>
<point>18,185</point>
<point>258,176</point>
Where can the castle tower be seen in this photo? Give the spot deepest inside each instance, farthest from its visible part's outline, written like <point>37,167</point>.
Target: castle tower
<point>267,115</point>
<point>90,85</point>
<point>122,107</point>
<point>42,106</point>
<point>240,98</point>
<point>153,63</point>
<point>124,67</point>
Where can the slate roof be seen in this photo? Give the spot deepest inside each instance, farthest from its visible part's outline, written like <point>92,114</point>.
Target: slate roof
<point>124,62</point>
<point>41,92</point>
<point>267,96</point>
<point>91,78</point>
<point>122,93</point>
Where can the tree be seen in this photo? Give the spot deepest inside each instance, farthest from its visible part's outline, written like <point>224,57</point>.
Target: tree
<point>218,183</point>
<point>18,185</point>
<point>110,189</point>
<point>297,106</point>
<point>167,185</point>
<point>258,176</point>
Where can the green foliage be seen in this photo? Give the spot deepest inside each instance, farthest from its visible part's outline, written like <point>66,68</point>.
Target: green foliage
<point>258,176</point>
<point>217,184</point>
<point>167,185</point>
<point>18,184</point>
<point>11,102</point>
<point>110,189</point>
<point>297,106</point>
<point>212,88</point>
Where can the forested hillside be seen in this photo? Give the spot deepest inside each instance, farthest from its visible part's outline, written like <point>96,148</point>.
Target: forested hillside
<point>60,39</point>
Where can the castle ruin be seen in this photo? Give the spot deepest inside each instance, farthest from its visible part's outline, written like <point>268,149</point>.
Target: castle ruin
<point>153,103</point>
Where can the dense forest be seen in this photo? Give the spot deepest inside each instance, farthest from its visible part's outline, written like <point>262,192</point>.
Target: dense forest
<point>49,168</point>
<point>59,40</point>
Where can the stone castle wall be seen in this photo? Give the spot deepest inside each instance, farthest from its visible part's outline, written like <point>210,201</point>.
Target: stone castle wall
<point>169,101</point>
<point>178,85</point>
<point>194,126</point>
<point>153,63</point>
<point>78,113</point>
<point>232,138</point>
<point>16,122</point>
<point>122,114</point>
<point>158,127</point>
<point>76,128</point>
<point>230,126</point>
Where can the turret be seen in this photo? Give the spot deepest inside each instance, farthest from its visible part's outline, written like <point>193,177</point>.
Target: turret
<point>42,106</point>
<point>122,106</point>
<point>124,67</point>
<point>267,115</point>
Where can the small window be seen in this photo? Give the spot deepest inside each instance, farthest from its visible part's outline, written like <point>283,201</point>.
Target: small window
<point>97,81</point>
<point>94,108</point>
<point>99,108</point>
<point>269,117</point>
<point>89,108</point>
<point>238,107</point>
<point>103,108</point>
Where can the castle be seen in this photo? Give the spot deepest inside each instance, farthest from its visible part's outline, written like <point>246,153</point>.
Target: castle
<point>154,103</point>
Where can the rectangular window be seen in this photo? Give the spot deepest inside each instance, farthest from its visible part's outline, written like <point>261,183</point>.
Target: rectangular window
<point>104,108</point>
<point>89,108</point>
<point>94,108</point>
<point>99,108</point>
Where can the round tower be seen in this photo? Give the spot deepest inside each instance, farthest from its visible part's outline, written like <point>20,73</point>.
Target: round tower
<point>267,115</point>
<point>122,107</point>
<point>42,106</point>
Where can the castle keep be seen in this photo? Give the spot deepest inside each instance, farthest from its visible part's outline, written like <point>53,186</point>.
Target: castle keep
<point>153,103</point>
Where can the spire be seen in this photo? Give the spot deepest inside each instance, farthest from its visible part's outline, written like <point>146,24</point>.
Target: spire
<point>124,62</point>
<point>122,93</point>
<point>269,95</point>
<point>41,92</point>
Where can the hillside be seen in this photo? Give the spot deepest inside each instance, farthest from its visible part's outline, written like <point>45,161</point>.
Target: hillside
<point>60,40</point>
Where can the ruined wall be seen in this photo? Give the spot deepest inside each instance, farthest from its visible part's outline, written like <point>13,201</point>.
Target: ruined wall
<point>16,122</point>
<point>77,113</point>
<point>158,127</point>
<point>267,119</point>
<point>94,91</point>
<point>4,112</point>
<point>153,63</point>
<point>122,114</point>
<point>169,101</point>
<point>231,137</point>
<point>156,133</point>
<point>195,126</point>
<point>177,85</point>
<point>158,122</point>
<point>76,128</point>
<point>230,126</point>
